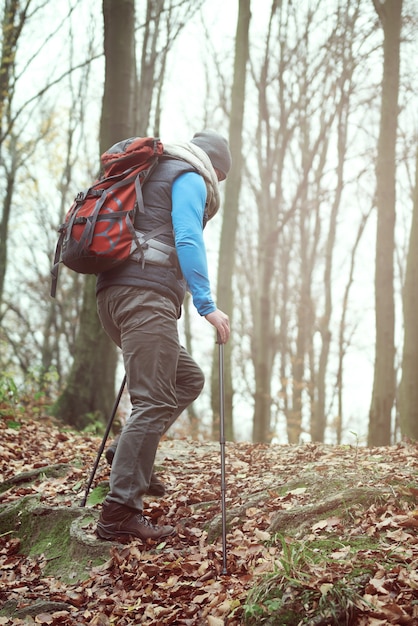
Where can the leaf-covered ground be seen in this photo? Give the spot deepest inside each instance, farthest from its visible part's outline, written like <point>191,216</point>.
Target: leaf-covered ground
<point>316,535</point>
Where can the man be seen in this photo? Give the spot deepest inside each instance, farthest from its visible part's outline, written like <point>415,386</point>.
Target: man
<point>139,303</point>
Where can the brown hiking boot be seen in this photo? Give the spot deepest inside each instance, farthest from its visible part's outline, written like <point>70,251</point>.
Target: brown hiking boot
<point>111,451</point>
<point>155,488</point>
<point>120,523</point>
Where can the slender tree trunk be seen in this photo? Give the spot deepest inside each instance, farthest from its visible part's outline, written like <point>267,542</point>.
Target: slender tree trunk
<point>304,322</point>
<point>4,225</point>
<point>319,417</point>
<point>343,340</point>
<point>264,344</point>
<point>408,392</point>
<point>384,373</point>
<point>146,82</point>
<point>14,17</point>
<point>230,216</point>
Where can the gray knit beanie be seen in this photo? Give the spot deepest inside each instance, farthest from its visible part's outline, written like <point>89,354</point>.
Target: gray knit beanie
<point>217,149</point>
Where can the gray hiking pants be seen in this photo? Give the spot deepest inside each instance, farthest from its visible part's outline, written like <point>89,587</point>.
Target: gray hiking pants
<point>162,380</point>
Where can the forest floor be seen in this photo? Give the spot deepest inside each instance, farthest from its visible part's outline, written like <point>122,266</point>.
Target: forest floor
<point>316,535</point>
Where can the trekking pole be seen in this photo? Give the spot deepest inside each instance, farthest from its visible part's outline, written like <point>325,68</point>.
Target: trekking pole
<point>102,445</point>
<point>222,442</point>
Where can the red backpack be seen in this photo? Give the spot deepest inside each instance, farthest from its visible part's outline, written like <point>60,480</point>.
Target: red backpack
<point>98,232</point>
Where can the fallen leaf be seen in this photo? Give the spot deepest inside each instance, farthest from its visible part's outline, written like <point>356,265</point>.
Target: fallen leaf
<point>215,621</point>
<point>44,618</point>
<point>262,535</point>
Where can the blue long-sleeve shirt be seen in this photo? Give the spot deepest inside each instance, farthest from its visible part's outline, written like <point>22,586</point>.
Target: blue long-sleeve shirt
<point>188,206</point>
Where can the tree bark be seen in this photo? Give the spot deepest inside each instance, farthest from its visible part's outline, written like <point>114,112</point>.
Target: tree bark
<point>14,18</point>
<point>91,384</point>
<point>342,106</point>
<point>384,373</point>
<point>117,121</point>
<point>226,263</point>
<point>408,391</point>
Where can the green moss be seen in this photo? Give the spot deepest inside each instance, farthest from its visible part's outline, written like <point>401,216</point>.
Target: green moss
<point>35,475</point>
<point>283,599</point>
<point>284,596</point>
<point>58,535</point>
<point>98,494</point>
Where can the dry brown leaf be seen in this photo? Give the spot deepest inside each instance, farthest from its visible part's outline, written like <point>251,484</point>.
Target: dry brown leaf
<point>44,618</point>
<point>215,621</point>
<point>262,535</point>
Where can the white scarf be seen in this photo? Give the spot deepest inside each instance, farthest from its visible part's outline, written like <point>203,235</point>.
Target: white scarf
<point>198,158</point>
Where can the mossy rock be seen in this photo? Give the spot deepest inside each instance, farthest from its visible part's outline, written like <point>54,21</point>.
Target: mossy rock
<point>48,471</point>
<point>338,502</point>
<point>63,535</point>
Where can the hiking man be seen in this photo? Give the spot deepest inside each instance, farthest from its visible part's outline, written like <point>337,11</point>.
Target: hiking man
<point>139,303</point>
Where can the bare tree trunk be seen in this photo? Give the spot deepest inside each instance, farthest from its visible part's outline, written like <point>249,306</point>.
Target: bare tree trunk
<point>14,17</point>
<point>305,318</point>
<point>117,121</point>
<point>319,416</point>
<point>408,391</point>
<point>147,79</point>
<point>85,396</point>
<point>263,280</point>
<point>91,383</point>
<point>384,374</point>
<point>4,224</point>
<point>264,340</point>
<point>226,263</point>
<point>343,340</point>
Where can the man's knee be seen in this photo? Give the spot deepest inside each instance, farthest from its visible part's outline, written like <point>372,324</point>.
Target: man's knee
<point>198,381</point>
